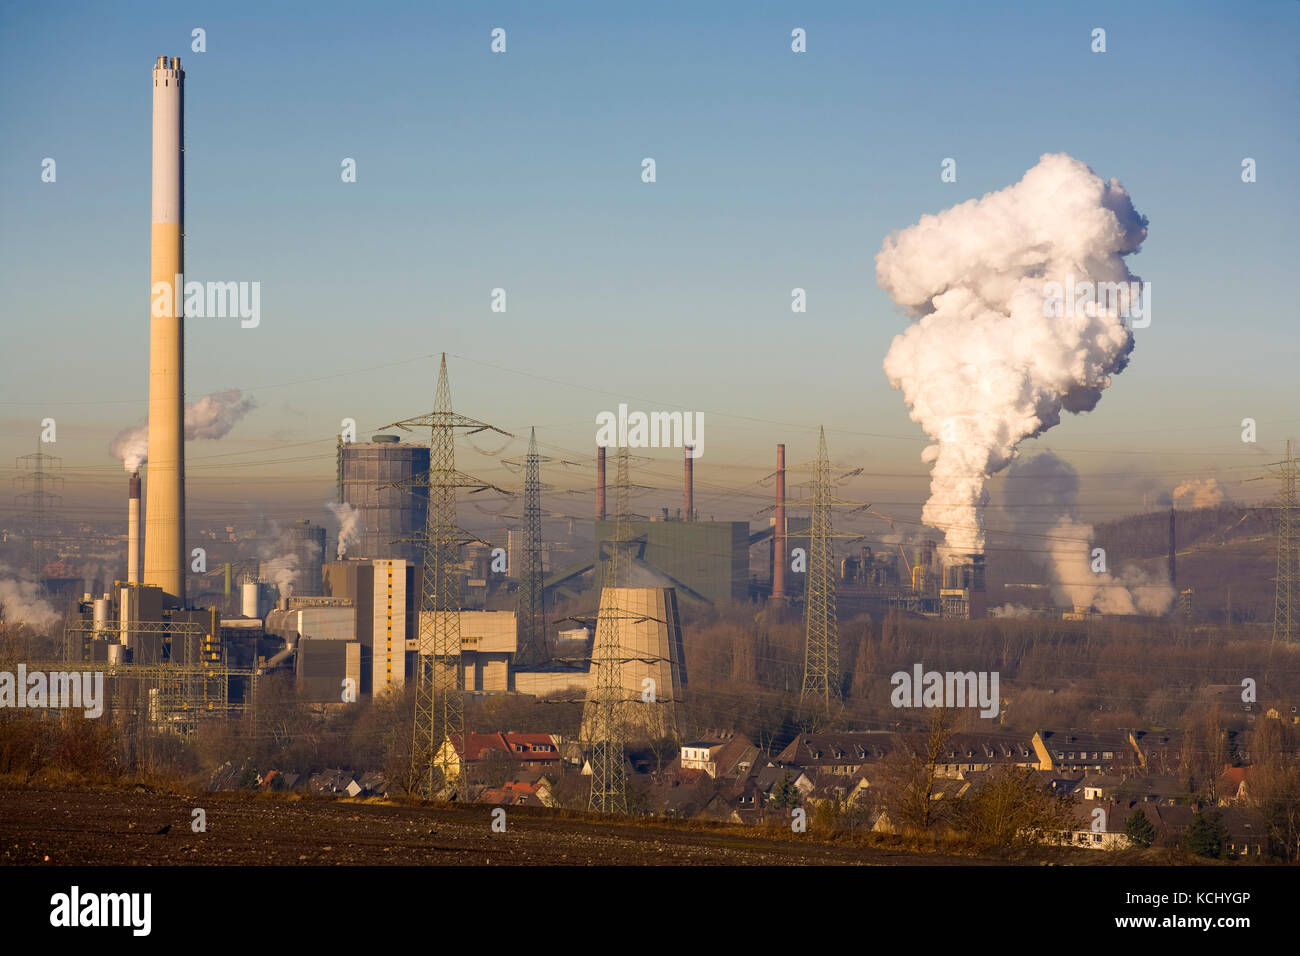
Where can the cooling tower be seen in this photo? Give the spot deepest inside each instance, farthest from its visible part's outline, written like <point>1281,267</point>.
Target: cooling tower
<point>649,644</point>
<point>164,539</point>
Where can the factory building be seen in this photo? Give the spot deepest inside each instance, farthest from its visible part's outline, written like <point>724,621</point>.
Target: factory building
<point>706,560</point>
<point>385,481</point>
<point>963,594</point>
<point>322,667</point>
<point>385,594</point>
<point>649,644</point>
<point>488,641</point>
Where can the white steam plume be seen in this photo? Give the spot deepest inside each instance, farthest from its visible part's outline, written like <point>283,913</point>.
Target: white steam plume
<point>21,603</point>
<point>1040,497</point>
<point>282,572</point>
<point>348,518</point>
<point>212,416</point>
<point>986,365</point>
<point>1199,493</point>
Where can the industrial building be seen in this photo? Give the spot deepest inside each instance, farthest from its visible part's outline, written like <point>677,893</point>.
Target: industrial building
<point>385,593</point>
<point>385,480</point>
<point>488,642</point>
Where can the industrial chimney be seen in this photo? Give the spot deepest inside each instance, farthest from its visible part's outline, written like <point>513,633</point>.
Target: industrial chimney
<point>688,492</point>
<point>164,551</point>
<point>600,483</point>
<point>133,529</point>
<point>778,537</point>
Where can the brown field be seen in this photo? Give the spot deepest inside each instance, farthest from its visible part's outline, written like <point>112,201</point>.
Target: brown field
<point>120,827</point>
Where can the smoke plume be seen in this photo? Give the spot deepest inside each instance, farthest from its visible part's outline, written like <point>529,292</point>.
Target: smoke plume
<point>1042,493</point>
<point>348,518</point>
<point>282,572</point>
<point>988,362</point>
<point>212,416</point>
<point>1199,493</point>
<point>21,603</point>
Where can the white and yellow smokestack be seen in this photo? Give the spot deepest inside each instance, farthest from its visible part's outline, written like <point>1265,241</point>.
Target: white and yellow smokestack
<point>133,529</point>
<point>164,539</point>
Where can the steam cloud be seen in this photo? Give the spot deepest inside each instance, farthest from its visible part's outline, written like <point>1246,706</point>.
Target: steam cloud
<point>1200,493</point>
<point>985,366</point>
<point>212,416</point>
<point>1044,486</point>
<point>348,518</point>
<point>21,603</point>
<point>282,572</point>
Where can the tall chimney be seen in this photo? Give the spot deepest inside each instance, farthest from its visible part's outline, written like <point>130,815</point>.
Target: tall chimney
<point>600,483</point>
<point>688,492</point>
<point>133,529</point>
<point>164,551</point>
<point>1173,568</point>
<point>778,539</point>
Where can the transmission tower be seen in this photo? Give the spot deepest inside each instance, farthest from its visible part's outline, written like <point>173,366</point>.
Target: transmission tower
<point>821,662</point>
<point>37,478</point>
<point>608,774</point>
<point>1284,610</point>
<point>439,686</point>
<point>532,612</point>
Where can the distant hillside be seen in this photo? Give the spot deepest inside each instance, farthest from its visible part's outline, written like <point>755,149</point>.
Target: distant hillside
<point>1226,555</point>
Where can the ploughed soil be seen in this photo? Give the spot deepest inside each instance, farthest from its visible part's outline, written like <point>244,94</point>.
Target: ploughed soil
<point>50,826</point>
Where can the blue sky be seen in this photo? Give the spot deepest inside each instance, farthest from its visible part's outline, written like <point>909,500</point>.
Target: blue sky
<point>522,171</point>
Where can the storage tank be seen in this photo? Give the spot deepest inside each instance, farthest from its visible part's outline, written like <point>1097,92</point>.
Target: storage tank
<point>250,594</point>
<point>101,613</point>
<point>385,481</point>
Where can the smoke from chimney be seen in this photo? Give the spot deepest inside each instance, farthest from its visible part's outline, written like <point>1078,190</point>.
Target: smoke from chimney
<point>348,518</point>
<point>212,417</point>
<point>987,364</point>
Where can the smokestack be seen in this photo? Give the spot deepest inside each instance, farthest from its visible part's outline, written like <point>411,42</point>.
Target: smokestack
<point>1173,569</point>
<point>600,483</point>
<point>133,529</point>
<point>688,492</point>
<point>164,552</point>
<point>778,539</point>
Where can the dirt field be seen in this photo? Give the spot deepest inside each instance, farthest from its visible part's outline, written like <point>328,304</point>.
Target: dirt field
<point>115,828</point>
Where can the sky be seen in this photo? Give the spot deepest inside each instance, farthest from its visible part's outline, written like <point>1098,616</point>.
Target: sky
<point>522,171</point>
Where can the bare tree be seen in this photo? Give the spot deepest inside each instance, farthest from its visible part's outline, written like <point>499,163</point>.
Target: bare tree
<point>909,783</point>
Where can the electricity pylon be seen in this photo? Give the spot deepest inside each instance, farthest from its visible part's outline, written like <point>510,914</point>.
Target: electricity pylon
<point>821,662</point>
<point>39,474</point>
<point>439,702</point>
<point>1284,610</point>
<point>608,732</point>
<point>532,610</point>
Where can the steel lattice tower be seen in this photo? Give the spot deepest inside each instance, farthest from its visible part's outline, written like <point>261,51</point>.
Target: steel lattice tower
<point>439,687</point>
<point>1284,610</point>
<point>608,774</point>
<point>821,663</point>
<point>39,475</point>
<point>532,611</point>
